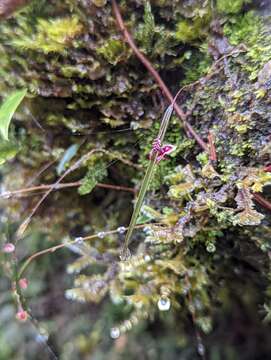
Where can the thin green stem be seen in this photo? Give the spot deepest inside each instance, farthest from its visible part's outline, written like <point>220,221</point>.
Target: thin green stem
<point>145,183</point>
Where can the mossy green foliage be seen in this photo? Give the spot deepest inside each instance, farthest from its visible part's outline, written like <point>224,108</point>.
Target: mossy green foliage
<point>93,176</point>
<point>231,6</point>
<point>113,50</point>
<point>212,243</point>
<point>250,30</point>
<point>54,35</point>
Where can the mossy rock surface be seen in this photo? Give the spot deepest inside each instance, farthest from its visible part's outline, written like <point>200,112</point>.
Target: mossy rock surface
<point>207,250</point>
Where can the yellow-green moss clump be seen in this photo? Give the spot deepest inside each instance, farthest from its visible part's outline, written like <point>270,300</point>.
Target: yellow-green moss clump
<point>53,35</point>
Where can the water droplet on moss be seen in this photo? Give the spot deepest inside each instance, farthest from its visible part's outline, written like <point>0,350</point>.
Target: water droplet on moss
<point>164,303</point>
<point>79,240</point>
<point>115,333</point>
<point>101,234</point>
<point>201,349</point>
<point>211,248</point>
<point>121,230</point>
<point>147,258</point>
<point>6,195</point>
<point>147,230</point>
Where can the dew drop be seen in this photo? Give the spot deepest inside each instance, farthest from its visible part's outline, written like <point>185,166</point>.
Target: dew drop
<point>147,230</point>
<point>211,248</point>
<point>147,258</point>
<point>115,333</point>
<point>69,295</point>
<point>6,195</point>
<point>190,272</point>
<point>43,336</point>
<point>41,339</point>
<point>101,234</point>
<point>164,303</point>
<point>79,240</point>
<point>121,230</point>
<point>201,349</point>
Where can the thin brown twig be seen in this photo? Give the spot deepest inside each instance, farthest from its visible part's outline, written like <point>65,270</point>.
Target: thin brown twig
<point>9,194</point>
<point>156,76</point>
<point>75,166</point>
<point>26,222</point>
<point>60,246</point>
<point>262,201</point>
<point>212,149</point>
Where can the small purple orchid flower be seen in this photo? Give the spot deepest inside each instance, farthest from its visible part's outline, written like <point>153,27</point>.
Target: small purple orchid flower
<point>161,150</point>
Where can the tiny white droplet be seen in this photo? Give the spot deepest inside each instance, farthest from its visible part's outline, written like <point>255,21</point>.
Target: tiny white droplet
<point>147,230</point>
<point>211,248</point>
<point>115,333</point>
<point>164,303</point>
<point>201,349</point>
<point>186,289</point>
<point>147,258</point>
<point>101,234</point>
<point>6,195</point>
<point>121,230</point>
<point>190,272</point>
<point>79,240</point>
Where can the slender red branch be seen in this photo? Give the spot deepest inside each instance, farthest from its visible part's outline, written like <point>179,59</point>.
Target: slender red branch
<point>155,74</point>
<point>63,186</point>
<point>212,149</point>
<point>262,201</point>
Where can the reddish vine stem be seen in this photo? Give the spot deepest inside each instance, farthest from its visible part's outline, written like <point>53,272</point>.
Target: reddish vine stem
<point>63,186</point>
<point>212,149</point>
<point>166,91</point>
<point>155,75</point>
<point>262,201</point>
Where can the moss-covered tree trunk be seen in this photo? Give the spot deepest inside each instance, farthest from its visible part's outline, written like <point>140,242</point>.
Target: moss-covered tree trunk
<point>197,282</point>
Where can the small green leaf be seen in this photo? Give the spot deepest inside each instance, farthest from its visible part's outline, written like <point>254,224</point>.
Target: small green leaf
<point>93,176</point>
<point>68,155</point>
<point>7,110</point>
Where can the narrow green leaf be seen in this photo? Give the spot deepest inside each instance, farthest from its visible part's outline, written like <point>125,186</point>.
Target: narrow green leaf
<point>7,110</point>
<point>145,183</point>
<point>68,155</point>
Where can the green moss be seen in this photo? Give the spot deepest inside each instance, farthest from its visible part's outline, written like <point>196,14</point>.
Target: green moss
<point>231,6</point>
<point>196,67</point>
<point>84,94</point>
<point>203,158</point>
<point>188,31</point>
<point>249,29</point>
<point>241,148</point>
<point>53,35</point>
<point>113,51</point>
<point>146,31</point>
